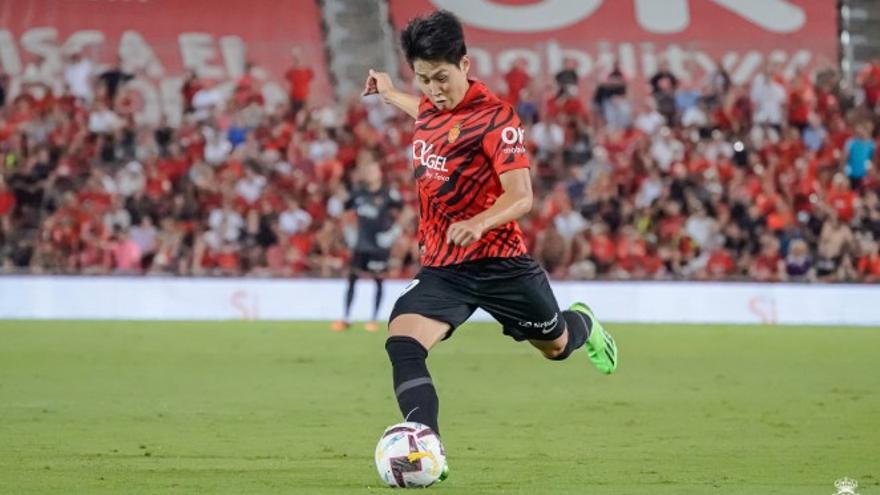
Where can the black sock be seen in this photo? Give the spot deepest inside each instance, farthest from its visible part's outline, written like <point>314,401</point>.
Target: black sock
<point>413,387</point>
<point>349,296</point>
<point>578,327</point>
<point>378,298</point>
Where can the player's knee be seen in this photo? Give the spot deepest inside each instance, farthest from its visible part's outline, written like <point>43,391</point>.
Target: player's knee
<point>424,330</point>
<point>403,348</point>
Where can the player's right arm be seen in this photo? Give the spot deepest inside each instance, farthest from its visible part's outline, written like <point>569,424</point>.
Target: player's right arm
<point>380,83</point>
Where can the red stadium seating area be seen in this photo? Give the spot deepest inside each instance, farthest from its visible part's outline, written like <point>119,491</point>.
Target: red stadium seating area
<point>697,180</point>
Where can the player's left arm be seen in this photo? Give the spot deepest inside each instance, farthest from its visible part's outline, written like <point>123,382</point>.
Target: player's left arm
<point>514,202</point>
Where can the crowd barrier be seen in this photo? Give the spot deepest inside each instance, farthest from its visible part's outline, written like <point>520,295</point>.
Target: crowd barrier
<point>149,298</point>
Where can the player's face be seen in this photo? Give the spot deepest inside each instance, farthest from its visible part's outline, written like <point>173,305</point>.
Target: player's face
<point>372,174</point>
<point>444,83</point>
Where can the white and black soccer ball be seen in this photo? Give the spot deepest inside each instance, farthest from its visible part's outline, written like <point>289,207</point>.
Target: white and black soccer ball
<point>410,455</point>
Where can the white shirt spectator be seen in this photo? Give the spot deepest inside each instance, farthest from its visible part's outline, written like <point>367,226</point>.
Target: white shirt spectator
<point>769,98</point>
<point>329,117</point>
<point>719,149</point>
<point>323,149</point>
<point>694,117</point>
<point>206,99</point>
<point>130,179</point>
<point>570,224</point>
<point>144,235</point>
<point>650,190</point>
<point>250,187</point>
<point>226,223</point>
<point>650,122</point>
<point>700,228</point>
<point>617,112</point>
<point>202,175</point>
<point>108,183</point>
<point>666,150</point>
<point>103,121</point>
<point>547,136</point>
<point>117,219</point>
<point>294,220</point>
<point>78,77</point>
<point>217,146</point>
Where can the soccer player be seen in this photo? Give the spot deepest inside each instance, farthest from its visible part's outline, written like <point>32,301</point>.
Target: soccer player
<point>375,206</point>
<point>472,172</point>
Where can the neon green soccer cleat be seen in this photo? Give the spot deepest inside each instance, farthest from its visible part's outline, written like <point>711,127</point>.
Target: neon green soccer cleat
<point>600,346</point>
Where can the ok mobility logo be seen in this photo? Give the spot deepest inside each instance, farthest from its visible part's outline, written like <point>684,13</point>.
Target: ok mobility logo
<point>665,17</point>
<point>513,138</point>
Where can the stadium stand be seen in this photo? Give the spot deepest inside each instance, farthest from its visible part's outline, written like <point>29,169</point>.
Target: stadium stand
<point>667,177</point>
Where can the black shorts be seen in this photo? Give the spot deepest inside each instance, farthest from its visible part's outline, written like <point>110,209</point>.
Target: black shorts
<point>515,291</point>
<point>373,263</point>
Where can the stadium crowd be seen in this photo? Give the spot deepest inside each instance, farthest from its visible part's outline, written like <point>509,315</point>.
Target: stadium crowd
<point>686,178</point>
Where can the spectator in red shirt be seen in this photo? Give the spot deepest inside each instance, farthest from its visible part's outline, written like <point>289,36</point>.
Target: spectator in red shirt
<point>869,79</point>
<point>720,265</point>
<point>191,85</point>
<point>767,265</point>
<point>517,79</point>
<point>126,254</point>
<point>842,198</point>
<point>7,206</point>
<point>869,263</point>
<point>298,78</point>
<point>801,99</point>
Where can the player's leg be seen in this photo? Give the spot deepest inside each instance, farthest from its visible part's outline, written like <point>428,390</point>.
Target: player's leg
<point>373,325</point>
<point>410,337</point>
<point>356,269</point>
<point>378,266</point>
<point>576,333</point>
<point>345,322</point>
<point>349,294</point>
<point>521,299</point>
<point>428,310</point>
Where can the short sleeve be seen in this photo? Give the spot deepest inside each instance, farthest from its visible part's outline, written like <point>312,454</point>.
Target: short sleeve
<point>504,144</point>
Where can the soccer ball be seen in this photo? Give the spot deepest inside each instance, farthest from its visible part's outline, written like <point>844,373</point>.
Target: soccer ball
<point>410,455</point>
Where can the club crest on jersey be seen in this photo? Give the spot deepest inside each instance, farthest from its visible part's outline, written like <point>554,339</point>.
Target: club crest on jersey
<point>454,133</point>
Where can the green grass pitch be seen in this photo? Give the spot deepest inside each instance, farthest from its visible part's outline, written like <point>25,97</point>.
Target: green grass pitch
<point>256,407</point>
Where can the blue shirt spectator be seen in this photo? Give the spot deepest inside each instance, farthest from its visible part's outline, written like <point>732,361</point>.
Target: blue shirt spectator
<point>859,153</point>
<point>814,134</point>
<point>237,135</point>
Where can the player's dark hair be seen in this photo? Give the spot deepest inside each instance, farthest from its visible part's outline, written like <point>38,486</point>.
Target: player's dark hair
<point>436,37</point>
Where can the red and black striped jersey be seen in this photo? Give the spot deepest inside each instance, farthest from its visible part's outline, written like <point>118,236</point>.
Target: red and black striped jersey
<point>458,156</point>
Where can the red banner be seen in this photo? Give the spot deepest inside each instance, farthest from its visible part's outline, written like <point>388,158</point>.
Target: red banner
<point>689,34</point>
<point>158,39</point>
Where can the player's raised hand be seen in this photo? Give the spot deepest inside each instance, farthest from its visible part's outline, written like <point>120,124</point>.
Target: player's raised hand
<point>464,233</point>
<point>377,83</point>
